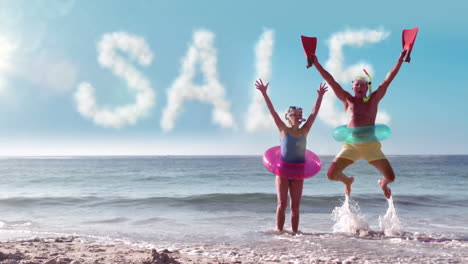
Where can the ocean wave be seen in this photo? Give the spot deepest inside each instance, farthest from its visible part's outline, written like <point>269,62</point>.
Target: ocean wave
<point>261,202</point>
<point>114,220</point>
<point>150,220</point>
<point>9,224</point>
<point>47,201</point>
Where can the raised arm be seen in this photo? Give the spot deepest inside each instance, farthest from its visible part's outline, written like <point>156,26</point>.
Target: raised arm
<point>336,87</point>
<point>310,121</point>
<point>263,89</point>
<point>380,92</point>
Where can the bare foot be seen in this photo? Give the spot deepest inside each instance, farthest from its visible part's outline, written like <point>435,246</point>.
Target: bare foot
<point>278,232</point>
<point>387,192</point>
<point>348,186</point>
<point>298,232</point>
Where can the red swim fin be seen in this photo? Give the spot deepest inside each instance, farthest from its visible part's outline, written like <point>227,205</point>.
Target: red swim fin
<point>408,37</point>
<point>309,44</point>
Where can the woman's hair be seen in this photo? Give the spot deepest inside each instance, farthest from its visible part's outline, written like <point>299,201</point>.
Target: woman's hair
<point>291,110</point>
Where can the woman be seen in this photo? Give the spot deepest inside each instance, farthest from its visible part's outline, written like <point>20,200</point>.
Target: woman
<point>293,147</point>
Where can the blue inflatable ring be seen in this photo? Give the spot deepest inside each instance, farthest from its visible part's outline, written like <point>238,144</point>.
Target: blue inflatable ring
<point>361,134</point>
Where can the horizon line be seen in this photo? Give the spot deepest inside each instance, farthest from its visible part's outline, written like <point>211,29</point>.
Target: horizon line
<point>189,155</point>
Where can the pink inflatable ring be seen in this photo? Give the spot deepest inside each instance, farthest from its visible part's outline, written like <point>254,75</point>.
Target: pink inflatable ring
<point>272,162</point>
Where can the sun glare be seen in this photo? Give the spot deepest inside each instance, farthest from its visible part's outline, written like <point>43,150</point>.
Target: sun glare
<point>6,54</point>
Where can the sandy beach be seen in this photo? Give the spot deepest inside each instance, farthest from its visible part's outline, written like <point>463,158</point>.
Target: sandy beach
<point>65,250</point>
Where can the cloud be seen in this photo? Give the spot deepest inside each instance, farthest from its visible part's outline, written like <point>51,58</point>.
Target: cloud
<point>6,54</point>
<point>257,116</point>
<point>335,65</point>
<point>201,52</point>
<point>47,69</point>
<point>51,71</point>
<point>117,117</point>
<point>329,113</point>
<point>28,22</point>
<point>352,38</point>
<point>7,50</point>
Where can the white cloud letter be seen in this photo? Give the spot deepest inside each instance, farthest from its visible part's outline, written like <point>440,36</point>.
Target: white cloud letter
<point>201,51</point>
<point>257,118</point>
<point>120,116</point>
<point>335,63</point>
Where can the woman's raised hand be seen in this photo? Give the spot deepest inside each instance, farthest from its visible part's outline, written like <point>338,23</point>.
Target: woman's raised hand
<point>323,89</point>
<point>260,86</point>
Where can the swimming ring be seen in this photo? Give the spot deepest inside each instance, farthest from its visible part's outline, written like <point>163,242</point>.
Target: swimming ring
<point>361,134</point>
<point>272,162</point>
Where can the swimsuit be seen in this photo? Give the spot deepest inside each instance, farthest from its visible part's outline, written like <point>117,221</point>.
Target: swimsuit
<point>293,149</point>
<point>369,151</point>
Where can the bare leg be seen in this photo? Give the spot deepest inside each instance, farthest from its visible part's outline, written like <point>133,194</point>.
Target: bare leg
<point>335,173</point>
<point>282,186</point>
<point>295,189</point>
<point>388,176</point>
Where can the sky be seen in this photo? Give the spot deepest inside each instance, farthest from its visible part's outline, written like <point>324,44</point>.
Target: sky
<point>177,77</point>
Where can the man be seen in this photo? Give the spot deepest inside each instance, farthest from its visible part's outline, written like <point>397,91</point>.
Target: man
<point>363,111</point>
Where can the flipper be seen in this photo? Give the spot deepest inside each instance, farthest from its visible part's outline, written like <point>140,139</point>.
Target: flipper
<point>309,44</point>
<point>408,37</point>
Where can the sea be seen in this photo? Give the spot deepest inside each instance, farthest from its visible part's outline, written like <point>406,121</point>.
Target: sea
<point>224,207</point>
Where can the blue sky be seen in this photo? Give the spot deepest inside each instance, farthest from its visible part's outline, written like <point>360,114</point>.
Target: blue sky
<point>176,77</point>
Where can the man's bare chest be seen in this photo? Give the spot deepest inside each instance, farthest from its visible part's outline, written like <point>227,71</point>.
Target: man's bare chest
<point>360,107</point>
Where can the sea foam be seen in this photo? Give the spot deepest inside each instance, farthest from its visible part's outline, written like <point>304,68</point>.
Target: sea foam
<point>390,223</point>
<point>348,219</point>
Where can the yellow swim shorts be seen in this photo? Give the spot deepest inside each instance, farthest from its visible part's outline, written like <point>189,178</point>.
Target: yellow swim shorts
<point>369,151</point>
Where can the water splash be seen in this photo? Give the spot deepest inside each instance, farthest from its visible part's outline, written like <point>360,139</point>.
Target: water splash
<point>348,219</point>
<point>390,223</point>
